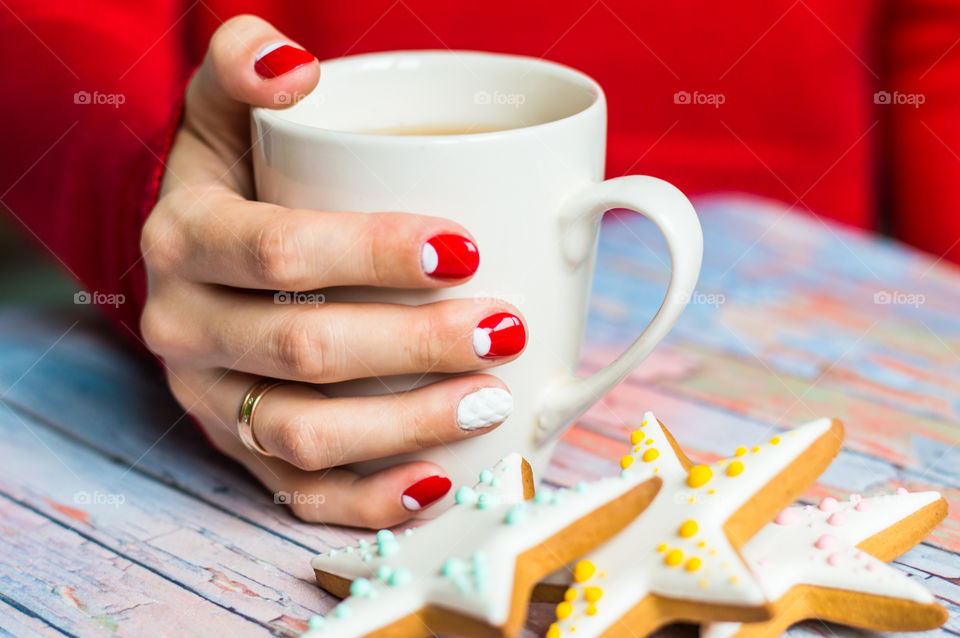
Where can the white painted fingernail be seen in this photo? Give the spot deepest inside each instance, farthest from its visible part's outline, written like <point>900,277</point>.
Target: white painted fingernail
<point>481,342</point>
<point>483,408</point>
<point>429,260</point>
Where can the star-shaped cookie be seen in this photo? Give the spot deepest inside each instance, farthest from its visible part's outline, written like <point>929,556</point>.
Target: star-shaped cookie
<point>678,560</point>
<point>470,571</point>
<point>828,562</point>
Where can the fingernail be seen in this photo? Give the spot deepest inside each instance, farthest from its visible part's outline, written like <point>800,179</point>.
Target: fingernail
<point>424,492</point>
<point>449,257</point>
<point>279,58</point>
<point>499,335</point>
<point>483,408</point>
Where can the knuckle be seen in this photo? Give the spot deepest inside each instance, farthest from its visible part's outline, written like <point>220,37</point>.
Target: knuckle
<point>158,330</point>
<point>161,242</point>
<point>300,349</point>
<point>294,440</point>
<point>278,253</point>
<point>429,332</point>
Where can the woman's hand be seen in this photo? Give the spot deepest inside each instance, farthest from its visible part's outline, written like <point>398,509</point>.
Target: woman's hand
<point>214,259</point>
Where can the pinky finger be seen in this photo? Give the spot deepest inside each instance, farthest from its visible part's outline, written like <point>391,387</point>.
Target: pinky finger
<point>340,496</point>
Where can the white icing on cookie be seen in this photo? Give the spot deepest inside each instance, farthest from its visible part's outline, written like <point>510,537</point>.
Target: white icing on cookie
<point>677,547</point>
<point>463,560</point>
<point>818,547</point>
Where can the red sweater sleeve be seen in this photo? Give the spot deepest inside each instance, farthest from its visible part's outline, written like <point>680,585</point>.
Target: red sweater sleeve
<point>91,103</point>
<point>920,109</point>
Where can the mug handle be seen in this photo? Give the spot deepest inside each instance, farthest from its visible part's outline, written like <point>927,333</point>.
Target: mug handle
<point>662,203</point>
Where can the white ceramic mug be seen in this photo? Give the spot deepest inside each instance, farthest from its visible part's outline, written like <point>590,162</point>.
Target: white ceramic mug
<point>531,194</point>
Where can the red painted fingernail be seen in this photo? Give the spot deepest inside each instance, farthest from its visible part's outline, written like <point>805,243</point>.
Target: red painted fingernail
<point>424,492</point>
<point>449,257</point>
<point>499,335</point>
<point>280,58</point>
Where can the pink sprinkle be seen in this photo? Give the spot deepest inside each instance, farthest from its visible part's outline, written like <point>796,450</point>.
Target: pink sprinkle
<point>859,555</point>
<point>855,498</point>
<point>901,491</point>
<point>807,508</point>
<point>834,560</point>
<point>828,504</point>
<point>862,506</point>
<point>826,542</point>
<point>788,516</point>
<point>837,519</point>
<point>871,567</point>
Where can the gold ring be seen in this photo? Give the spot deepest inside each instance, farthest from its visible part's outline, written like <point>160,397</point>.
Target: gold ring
<point>247,409</point>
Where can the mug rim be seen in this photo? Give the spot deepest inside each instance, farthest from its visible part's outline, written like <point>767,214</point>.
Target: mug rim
<point>276,119</point>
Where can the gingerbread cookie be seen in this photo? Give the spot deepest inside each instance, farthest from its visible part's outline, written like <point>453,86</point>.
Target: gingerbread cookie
<point>470,571</point>
<point>822,562</point>
<point>678,560</point>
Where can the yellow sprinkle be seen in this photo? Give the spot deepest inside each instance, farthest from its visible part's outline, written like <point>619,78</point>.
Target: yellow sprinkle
<point>603,574</point>
<point>735,468</point>
<point>733,580</point>
<point>711,491</point>
<point>648,442</point>
<point>693,564</point>
<point>699,475</point>
<point>656,469</point>
<point>651,454</point>
<point>570,594</point>
<point>775,440</point>
<point>702,544</point>
<point>673,558</point>
<point>590,610</point>
<point>702,582</point>
<point>741,451</point>
<point>564,609</point>
<point>637,449</point>
<point>635,437</point>
<point>721,462</point>
<point>713,552</point>
<point>592,594</point>
<point>755,449</point>
<point>583,571</point>
<point>662,547</point>
<point>688,528</point>
<point>691,500</point>
<point>626,462</point>
<point>644,424</point>
<point>553,631</point>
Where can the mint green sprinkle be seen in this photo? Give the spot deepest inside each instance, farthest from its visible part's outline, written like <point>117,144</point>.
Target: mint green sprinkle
<point>362,588</point>
<point>316,622</point>
<point>363,543</point>
<point>626,474</point>
<point>480,570</point>
<point>559,496</point>
<point>453,566</point>
<point>349,549</point>
<point>581,486</point>
<point>408,531</point>
<point>384,572</point>
<point>487,500</point>
<point>516,515</point>
<point>465,496</point>
<point>543,496</point>
<point>342,611</point>
<point>400,576</point>
<point>495,481</point>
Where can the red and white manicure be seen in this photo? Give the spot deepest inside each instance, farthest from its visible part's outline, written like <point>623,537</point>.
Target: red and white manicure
<point>425,492</point>
<point>279,58</point>
<point>499,335</point>
<point>449,257</point>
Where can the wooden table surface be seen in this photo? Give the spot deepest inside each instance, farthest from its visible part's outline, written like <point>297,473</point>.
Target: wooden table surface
<point>116,518</point>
